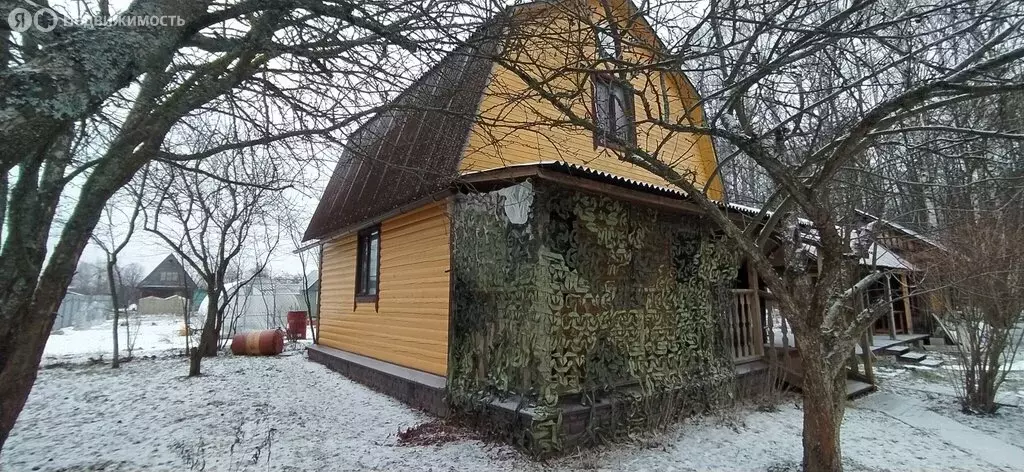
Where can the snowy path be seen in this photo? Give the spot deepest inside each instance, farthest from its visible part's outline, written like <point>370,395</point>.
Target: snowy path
<point>148,416</point>
<point>916,414</point>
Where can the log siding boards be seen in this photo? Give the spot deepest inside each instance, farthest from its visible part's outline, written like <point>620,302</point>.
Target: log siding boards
<point>408,326</point>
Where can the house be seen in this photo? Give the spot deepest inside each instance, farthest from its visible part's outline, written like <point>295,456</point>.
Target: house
<point>166,290</point>
<point>539,278</point>
<point>911,247</point>
<point>167,279</point>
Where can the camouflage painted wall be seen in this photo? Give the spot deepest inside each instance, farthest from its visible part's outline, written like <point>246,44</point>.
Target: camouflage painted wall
<point>564,296</point>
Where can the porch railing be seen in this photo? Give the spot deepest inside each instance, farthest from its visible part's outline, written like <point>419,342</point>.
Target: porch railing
<point>745,334</point>
<point>777,332</point>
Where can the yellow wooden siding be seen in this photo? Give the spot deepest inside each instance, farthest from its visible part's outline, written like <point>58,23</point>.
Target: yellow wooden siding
<point>517,126</point>
<point>411,326</point>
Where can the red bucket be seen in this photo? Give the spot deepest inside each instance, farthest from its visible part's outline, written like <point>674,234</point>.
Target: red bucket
<point>297,324</point>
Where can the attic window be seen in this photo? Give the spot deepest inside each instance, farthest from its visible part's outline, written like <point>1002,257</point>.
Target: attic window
<point>614,120</point>
<point>606,42</point>
<point>368,264</point>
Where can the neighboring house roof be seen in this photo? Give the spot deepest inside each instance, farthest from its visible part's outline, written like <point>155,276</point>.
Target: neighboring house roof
<point>903,229</point>
<point>169,265</point>
<point>880,256</point>
<point>411,150</point>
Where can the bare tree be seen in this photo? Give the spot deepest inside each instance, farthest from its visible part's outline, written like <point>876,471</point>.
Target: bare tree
<point>90,278</point>
<point>309,260</point>
<point>980,274</point>
<point>111,240</point>
<point>130,277</point>
<point>803,91</point>
<point>289,72</point>
<point>210,221</point>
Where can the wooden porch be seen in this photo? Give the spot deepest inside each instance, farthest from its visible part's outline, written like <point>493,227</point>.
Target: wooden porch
<point>758,334</point>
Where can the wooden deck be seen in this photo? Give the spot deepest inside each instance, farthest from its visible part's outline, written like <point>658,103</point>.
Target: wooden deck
<point>880,342</point>
<point>792,373</point>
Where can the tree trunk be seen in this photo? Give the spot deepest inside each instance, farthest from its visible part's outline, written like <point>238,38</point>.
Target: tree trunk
<point>115,361</point>
<point>128,334</point>
<point>63,84</point>
<point>207,338</point>
<point>824,390</point>
<point>194,362</point>
<point>20,366</point>
<point>211,328</point>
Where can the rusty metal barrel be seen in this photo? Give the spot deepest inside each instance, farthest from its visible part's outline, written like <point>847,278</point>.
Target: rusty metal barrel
<point>297,325</point>
<point>269,342</point>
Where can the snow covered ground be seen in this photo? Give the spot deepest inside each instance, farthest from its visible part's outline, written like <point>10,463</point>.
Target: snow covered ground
<point>286,413</point>
<point>152,335</point>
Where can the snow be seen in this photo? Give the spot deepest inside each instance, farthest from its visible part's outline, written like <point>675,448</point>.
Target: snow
<point>149,416</point>
<point>153,335</point>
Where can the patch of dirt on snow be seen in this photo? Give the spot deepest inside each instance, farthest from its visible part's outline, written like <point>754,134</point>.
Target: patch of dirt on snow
<point>437,432</point>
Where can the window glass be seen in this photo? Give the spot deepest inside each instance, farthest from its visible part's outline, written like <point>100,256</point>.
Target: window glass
<point>605,43</point>
<point>613,112</point>
<point>368,263</point>
<point>373,270</point>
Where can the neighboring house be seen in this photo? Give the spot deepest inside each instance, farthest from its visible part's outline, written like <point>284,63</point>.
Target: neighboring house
<point>538,278</point>
<point>169,278</point>
<point>909,247</point>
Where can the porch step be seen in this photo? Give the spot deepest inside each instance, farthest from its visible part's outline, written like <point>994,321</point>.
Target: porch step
<point>913,357</point>
<point>856,388</point>
<point>898,350</point>
<point>930,363</point>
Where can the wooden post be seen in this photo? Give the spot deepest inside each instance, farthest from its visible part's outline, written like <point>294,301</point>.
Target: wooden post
<point>733,322</point>
<point>892,312</point>
<point>905,289</point>
<point>785,333</point>
<point>755,309</point>
<point>865,345</point>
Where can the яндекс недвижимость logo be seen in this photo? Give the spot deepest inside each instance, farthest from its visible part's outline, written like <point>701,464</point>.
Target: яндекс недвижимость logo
<point>45,19</point>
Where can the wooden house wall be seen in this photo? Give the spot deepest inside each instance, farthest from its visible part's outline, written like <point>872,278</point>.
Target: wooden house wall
<point>517,126</point>
<point>409,324</point>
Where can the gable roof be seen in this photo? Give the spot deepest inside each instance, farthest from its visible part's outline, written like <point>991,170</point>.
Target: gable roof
<point>169,264</point>
<point>413,148</point>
